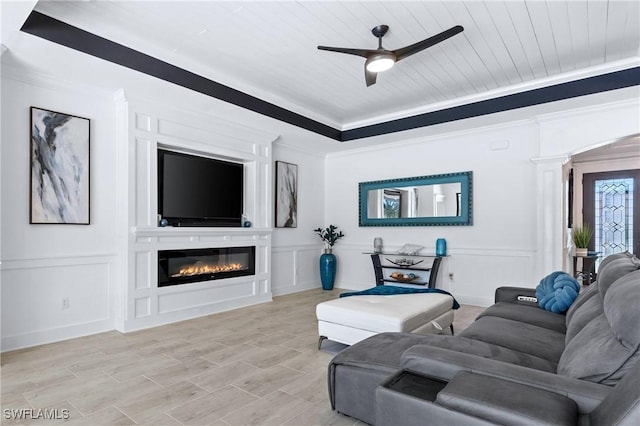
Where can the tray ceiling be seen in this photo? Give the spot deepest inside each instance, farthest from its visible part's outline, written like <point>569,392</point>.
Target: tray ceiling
<point>269,49</point>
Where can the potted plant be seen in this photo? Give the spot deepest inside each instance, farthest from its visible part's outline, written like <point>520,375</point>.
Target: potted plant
<point>581,236</point>
<point>328,261</point>
<point>329,236</point>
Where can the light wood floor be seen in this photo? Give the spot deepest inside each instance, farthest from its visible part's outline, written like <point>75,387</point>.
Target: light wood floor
<point>256,365</point>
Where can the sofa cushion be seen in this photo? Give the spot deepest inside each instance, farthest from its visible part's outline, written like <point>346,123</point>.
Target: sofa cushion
<point>607,347</point>
<point>529,314</point>
<point>615,268</point>
<point>489,350</point>
<point>518,336</point>
<point>615,256</point>
<point>622,309</point>
<point>557,291</point>
<point>583,297</point>
<point>589,309</point>
<point>589,302</point>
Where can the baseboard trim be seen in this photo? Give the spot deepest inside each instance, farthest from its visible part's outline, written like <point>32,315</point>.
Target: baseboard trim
<point>191,313</point>
<point>295,288</point>
<point>43,337</point>
<point>476,301</point>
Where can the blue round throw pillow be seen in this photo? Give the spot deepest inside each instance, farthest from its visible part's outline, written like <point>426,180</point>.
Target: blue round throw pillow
<point>557,291</point>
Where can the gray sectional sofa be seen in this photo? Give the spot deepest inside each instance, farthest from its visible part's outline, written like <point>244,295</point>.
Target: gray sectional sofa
<point>516,364</point>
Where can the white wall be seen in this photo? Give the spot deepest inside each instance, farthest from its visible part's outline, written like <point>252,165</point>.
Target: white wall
<point>498,249</point>
<point>518,230</point>
<point>295,251</point>
<point>42,264</point>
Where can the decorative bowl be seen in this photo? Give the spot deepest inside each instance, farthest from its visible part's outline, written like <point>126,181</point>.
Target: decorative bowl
<point>405,278</point>
<point>405,263</point>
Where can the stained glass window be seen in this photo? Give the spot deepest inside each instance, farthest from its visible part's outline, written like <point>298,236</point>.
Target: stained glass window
<point>613,216</point>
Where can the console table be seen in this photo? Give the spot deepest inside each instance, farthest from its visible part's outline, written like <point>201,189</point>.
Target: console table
<point>382,262</point>
<point>587,273</point>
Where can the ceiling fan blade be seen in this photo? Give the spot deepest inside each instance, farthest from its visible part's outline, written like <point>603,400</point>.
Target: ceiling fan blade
<point>421,45</point>
<point>370,77</point>
<point>358,52</point>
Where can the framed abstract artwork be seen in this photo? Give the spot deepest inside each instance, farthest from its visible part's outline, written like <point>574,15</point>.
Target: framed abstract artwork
<point>286,195</point>
<point>59,168</point>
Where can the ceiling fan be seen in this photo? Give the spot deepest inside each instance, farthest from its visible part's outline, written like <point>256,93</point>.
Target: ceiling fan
<point>381,59</point>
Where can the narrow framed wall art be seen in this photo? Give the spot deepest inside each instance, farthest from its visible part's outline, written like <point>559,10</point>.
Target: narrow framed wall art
<point>286,195</point>
<point>59,168</point>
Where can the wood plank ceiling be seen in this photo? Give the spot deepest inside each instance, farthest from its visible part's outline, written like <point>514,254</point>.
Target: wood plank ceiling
<point>268,49</point>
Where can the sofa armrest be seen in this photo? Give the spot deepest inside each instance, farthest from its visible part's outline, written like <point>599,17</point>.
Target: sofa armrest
<point>508,402</point>
<point>393,408</point>
<point>444,364</point>
<point>520,295</point>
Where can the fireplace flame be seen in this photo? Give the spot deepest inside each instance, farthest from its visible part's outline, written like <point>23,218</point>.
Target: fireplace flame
<point>203,269</point>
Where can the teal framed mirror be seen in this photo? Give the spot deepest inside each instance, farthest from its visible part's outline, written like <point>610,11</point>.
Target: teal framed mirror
<point>436,200</point>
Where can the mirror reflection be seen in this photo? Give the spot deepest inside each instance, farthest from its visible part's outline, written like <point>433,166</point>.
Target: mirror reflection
<point>438,200</point>
<point>435,200</point>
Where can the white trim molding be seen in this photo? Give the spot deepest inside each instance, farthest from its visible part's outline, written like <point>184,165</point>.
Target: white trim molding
<point>143,128</point>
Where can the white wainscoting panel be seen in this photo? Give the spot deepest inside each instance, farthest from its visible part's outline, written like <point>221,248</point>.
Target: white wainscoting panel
<point>143,122</point>
<point>32,297</point>
<point>146,176</point>
<point>294,268</point>
<point>283,271</point>
<point>201,133</point>
<point>477,273</point>
<point>205,294</point>
<point>354,270</point>
<point>143,307</point>
<point>143,270</point>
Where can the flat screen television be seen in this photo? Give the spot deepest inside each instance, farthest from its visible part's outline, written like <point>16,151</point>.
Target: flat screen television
<point>199,191</point>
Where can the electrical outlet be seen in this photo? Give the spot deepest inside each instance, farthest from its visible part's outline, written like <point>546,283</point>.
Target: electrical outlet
<point>65,302</point>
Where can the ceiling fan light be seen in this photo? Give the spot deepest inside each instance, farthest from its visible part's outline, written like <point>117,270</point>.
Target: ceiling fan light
<point>380,62</point>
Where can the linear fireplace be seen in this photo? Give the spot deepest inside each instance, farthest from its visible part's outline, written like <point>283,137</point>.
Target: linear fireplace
<point>193,265</point>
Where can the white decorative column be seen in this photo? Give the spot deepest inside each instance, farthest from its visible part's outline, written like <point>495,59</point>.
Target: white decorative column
<point>551,211</point>
<point>121,222</point>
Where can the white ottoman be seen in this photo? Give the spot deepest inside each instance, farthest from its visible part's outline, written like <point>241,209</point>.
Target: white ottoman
<point>351,319</point>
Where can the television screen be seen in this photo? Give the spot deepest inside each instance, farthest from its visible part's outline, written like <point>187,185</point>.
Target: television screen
<point>199,191</point>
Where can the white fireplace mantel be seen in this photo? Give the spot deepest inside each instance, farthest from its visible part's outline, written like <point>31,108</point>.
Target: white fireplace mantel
<point>143,127</point>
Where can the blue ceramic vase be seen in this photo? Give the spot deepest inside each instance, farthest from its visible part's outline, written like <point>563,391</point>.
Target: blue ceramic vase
<point>441,247</point>
<point>328,263</point>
